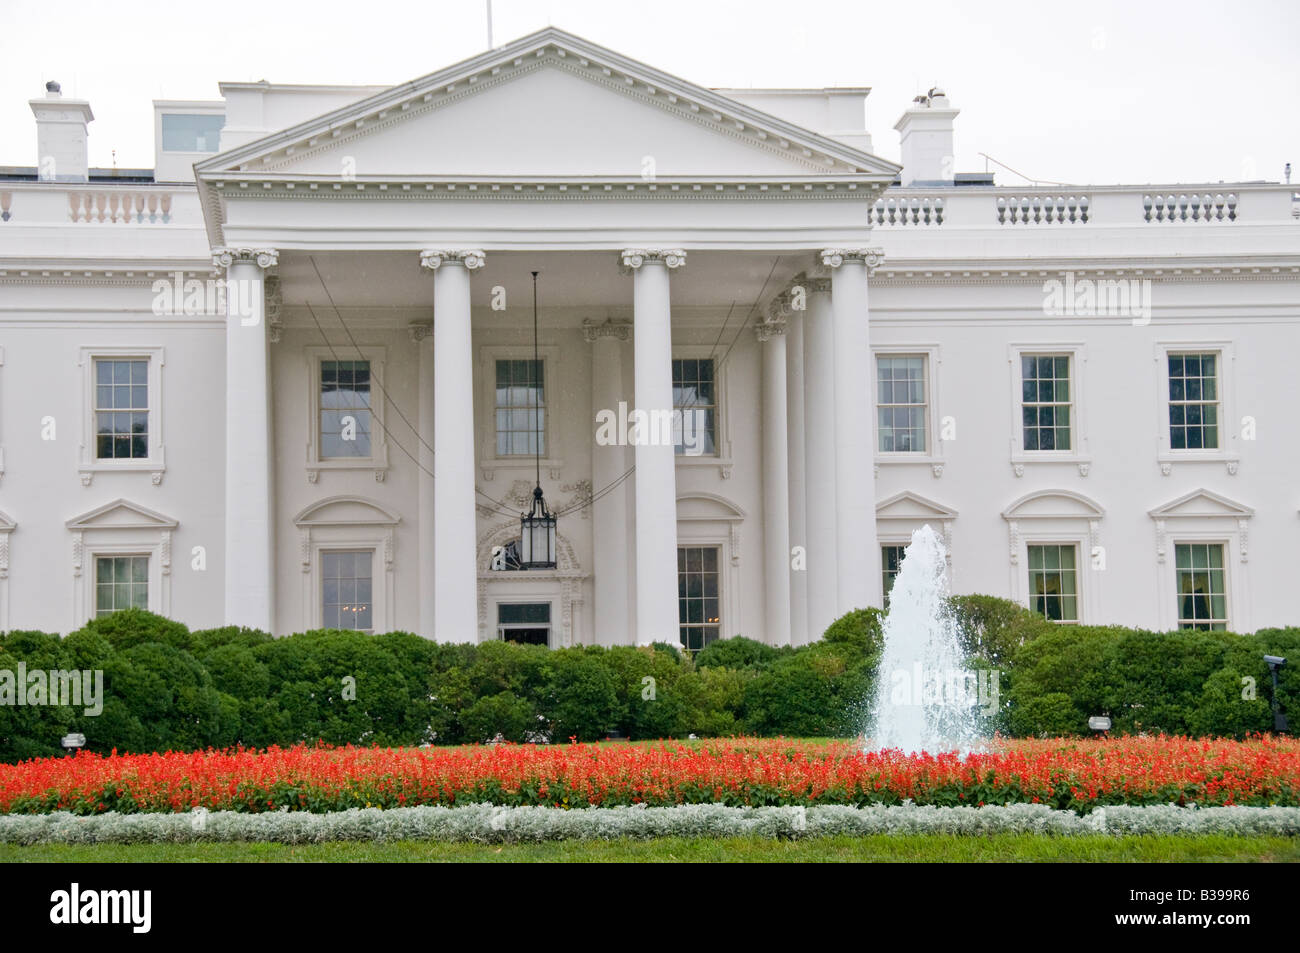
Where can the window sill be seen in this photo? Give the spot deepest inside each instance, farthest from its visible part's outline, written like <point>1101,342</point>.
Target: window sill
<point>155,467</point>
<point>489,467</point>
<point>935,463</point>
<point>724,464</point>
<point>1022,459</point>
<point>1167,459</point>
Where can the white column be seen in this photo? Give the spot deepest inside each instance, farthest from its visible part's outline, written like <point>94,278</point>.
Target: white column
<point>855,489</point>
<point>776,485</point>
<point>819,457</point>
<point>422,337</point>
<point>249,579</point>
<point>655,478</point>
<point>795,448</point>
<point>609,462</point>
<point>455,580</point>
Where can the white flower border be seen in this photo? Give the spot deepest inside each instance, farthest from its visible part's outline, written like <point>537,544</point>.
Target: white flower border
<point>487,823</point>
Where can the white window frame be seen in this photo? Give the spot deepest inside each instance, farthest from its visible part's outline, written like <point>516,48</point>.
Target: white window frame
<point>155,464</point>
<point>721,457</point>
<point>1078,455</point>
<point>378,460</point>
<point>525,600</point>
<point>1226,454</point>
<point>934,451</point>
<point>1082,561</point>
<point>372,527</point>
<point>127,552</point>
<point>1204,516</point>
<point>486,404</point>
<point>723,560</point>
<point>1228,600</point>
<point>376,551</point>
<point>7,526</point>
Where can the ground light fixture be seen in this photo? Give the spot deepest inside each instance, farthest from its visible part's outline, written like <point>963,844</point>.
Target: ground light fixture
<point>71,742</point>
<point>1275,662</point>
<point>537,526</point>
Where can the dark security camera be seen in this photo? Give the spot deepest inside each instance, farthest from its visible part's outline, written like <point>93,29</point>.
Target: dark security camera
<point>1274,661</point>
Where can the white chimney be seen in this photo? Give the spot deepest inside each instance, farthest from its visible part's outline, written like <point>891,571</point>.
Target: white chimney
<point>926,133</point>
<point>61,154</point>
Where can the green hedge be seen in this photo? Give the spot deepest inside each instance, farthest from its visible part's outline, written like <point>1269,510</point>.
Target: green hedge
<point>167,687</point>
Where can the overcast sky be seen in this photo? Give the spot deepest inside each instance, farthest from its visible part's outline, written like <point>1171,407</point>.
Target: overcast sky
<point>1098,92</point>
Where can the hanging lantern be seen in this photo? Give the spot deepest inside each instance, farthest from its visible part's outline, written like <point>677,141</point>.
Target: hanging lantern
<point>537,527</point>
<point>537,536</point>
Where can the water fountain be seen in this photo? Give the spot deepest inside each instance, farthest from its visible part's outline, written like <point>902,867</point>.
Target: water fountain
<point>925,696</point>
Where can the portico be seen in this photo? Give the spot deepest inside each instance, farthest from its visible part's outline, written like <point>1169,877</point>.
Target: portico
<point>676,249</point>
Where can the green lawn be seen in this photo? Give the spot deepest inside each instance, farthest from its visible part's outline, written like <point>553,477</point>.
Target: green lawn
<point>936,847</point>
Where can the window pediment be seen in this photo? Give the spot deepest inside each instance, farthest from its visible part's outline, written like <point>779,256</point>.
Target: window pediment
<point>912,506</point>
<point>1200,504</point>
<point>121,514</point>
<point>346,511</point>
<point>1054,504</point>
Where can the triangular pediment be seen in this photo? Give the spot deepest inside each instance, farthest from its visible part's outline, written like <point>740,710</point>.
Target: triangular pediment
<point>122,514</point>
<point>1054,504</point>
<point>912,506</point>
<point>549,104</point>
<point>1202,503</point>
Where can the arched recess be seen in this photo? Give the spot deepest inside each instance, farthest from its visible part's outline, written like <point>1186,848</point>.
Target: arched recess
<point>708,520</point>
<point>562,586</point>
<point>348,523</point>
<point>1063,517</point>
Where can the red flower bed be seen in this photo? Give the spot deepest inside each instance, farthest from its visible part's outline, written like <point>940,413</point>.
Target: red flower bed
<point>1063,773</point>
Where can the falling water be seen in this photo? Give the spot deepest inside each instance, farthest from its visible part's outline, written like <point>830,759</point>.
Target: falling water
<point>925,696</point>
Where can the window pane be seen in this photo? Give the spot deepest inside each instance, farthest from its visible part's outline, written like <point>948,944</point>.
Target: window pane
<point>698,605</point>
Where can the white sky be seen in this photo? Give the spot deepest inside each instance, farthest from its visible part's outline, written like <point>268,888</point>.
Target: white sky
<point>1097,92</point>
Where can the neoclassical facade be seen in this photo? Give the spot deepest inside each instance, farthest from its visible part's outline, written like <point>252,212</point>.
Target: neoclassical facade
<point>287,378</point>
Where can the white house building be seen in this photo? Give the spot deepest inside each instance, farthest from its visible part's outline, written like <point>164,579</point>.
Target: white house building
<point>286,378</point>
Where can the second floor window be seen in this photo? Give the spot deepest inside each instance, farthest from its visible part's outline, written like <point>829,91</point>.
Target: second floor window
<point>901,403</point>
<point>344,409</point>
<point>695,407</point>
<point>1193,401</point>
<point>122,409</point>
<point>1045,401</point>
<point>521,408</point>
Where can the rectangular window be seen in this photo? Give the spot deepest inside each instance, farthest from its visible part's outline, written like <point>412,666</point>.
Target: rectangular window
<point>526,622</point>
<point>901,403</point>
<point>1054,582</point>
<point>1193,401</point>
<point>191,133</point>
<point>1045,401</point>
<point>1202,599</point>
<point>344,409</point>
<point>697,596</point>
<point>122,409</point>
<point>891,560</point>
<point>521,408</point>
<point>695,407</point>
<point>346,590</point>
<point>121,582</point>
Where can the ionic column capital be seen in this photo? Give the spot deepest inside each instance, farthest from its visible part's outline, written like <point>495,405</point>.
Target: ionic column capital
<point>619,330</point>
<point>871,257</point>
<point>419,330</point>
<point>264,258</point>
<point>765,332</point>
<point>435,258</point>
<point>634,258</point>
